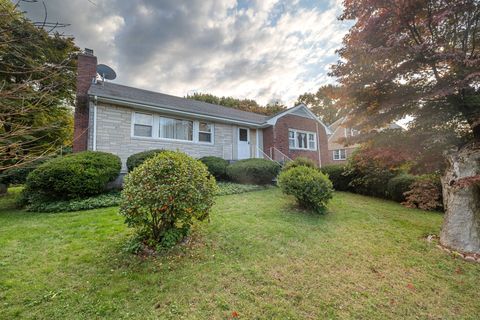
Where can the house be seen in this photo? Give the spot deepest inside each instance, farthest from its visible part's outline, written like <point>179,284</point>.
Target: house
<point>338,150</point>
<point>124,120</point>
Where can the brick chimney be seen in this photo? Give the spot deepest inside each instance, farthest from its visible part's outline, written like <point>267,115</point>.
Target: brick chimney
<point>86,72</point>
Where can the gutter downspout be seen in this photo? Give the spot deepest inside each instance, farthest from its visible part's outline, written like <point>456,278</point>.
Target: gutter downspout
<point>318,147</point>
<point>94,144</point>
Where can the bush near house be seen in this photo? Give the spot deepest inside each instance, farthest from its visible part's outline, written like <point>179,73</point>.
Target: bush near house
<point>425,193</point>
<point>162,197</point>
<point>300,161</point>
<point>338,175</point>
<point>73,176</point>
<point>311,188</point>
<point>398,185</point>
<point>253,171</point>
<point>216,166</point>
<point>137,159</point>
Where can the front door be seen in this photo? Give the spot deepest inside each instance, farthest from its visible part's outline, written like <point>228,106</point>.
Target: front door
<point>243,143</point>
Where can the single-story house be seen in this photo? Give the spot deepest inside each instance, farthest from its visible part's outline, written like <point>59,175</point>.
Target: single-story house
<point>124,120</point>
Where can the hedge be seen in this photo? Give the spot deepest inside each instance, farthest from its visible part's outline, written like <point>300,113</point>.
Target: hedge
<point>73,176</point>
<point>338,175</point>
<point>137,159</point>
<point>253,171</point>
<point>216,166</point>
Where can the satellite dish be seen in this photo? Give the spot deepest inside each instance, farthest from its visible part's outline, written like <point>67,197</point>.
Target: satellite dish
<point>106,72</point>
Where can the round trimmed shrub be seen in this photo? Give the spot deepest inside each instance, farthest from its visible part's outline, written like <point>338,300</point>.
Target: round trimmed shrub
<point>216,166</point>
<point>162,197</point>
<point>300,161</point>
<point>310,187</point>
<point>74,176</point>
<point>398,185</point>
<point>339,177</point>
<point>253,171</point>
<point>137,159</point>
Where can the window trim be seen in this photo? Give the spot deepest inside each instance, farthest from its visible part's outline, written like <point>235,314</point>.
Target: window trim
<point>156,129</point>
<point>134,123</point>
<point>339,154</point>
<point>295,131</point>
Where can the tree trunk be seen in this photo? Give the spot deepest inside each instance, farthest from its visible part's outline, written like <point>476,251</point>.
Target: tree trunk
<point>461,198</point>
<point>3,188</point>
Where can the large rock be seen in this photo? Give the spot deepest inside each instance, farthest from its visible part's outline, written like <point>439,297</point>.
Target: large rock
<point>461,197</point>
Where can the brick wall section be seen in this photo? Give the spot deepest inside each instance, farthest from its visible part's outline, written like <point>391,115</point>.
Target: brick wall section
<point>86,71</point>
<point>277,137</point>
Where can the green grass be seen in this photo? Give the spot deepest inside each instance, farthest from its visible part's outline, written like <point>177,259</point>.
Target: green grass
<point>258,256</point>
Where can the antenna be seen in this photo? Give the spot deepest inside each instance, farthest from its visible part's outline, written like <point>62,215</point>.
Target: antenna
<point>105,72</point>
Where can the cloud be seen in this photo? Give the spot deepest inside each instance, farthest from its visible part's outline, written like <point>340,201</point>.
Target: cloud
<point>264,50</point>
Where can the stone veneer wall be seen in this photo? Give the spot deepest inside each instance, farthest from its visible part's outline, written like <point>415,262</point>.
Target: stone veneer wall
<point>114,136</point>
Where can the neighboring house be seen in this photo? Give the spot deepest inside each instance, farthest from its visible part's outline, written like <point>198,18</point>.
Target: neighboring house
<point>124,120</point>
<point>338,151</point>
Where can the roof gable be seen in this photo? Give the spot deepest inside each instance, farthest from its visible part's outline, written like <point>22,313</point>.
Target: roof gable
<point>300,110</point>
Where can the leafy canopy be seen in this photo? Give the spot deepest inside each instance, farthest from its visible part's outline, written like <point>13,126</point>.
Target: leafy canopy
<point>417,58</point>
<point>240,104</point>
<point>37,81</point>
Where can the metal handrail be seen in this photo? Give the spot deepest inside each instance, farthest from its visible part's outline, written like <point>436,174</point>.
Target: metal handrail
<point>283,154</point>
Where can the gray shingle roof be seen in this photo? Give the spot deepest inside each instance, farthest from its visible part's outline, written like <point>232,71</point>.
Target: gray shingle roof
<point>130,94</point>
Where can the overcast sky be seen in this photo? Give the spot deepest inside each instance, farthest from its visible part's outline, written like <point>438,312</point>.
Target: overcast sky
<point>266,50</point>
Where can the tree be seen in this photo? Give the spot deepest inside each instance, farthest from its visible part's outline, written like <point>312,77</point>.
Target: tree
<point>421,58</point>
<point>240,104</point>
<point>37,86</point>
<point>323,103</point>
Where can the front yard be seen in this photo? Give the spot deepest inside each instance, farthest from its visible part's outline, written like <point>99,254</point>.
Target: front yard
<point>258,257</point>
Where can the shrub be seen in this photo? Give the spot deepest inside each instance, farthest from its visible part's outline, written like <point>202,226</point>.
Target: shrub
<point>300,161</point>
<point>216,166</point>
<point>253,171</point>
<point>398,185</point>
<point>338,175</point>
<point>162,197</point>
<point>137,159</point>
<point>369,175</point>
<point>73,176</point>
<point>19,174</point>
<point>310,187</point>
<point>425,193</point>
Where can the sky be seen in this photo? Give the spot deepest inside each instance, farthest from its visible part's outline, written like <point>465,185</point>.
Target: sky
<point>266,50</point>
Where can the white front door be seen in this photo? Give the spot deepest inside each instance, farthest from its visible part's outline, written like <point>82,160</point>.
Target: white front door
<point>243,143</point>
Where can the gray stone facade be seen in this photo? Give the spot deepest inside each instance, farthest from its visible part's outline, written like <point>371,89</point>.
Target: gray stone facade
<point>113,134</point>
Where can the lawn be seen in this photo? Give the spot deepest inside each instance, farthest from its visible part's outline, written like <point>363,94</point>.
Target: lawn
<point>258,256</point>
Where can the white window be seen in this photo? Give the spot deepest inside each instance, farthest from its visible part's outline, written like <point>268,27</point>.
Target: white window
<point>143,125</point>
<point>303,140</point>
<point>339,154</point>
<point>175,129</point>
<point>291,139</point>
<point>205,132</point>
<point>160,127</point>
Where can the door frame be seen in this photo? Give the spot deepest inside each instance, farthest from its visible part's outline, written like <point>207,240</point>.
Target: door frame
<point>248,143</point>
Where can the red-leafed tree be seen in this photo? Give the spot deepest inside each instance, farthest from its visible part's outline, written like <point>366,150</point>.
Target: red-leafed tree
<point>421,58</point>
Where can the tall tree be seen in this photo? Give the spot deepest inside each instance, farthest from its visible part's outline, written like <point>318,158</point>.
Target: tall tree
<point>324,103</point>
<point>37,86</point>
<point>421,58</point>
<point>240,104</point>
